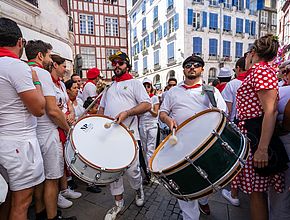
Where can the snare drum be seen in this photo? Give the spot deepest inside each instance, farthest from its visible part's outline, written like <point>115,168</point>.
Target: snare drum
<point>99,155</point>
<point>209,153</point>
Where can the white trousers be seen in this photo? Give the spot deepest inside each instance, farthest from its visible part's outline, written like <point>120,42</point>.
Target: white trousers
<point>148,136</point>
<point>134,178</point>
<point>279,203</point>
<point>190,209</point>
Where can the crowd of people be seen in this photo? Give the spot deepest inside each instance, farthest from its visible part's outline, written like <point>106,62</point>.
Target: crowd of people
<point>38,108</point>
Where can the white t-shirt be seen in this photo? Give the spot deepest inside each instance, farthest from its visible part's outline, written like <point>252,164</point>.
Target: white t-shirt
<point>147,117</point>
<point>61,97</point>
<point>79,109</point>
<point>122,96</point>
<point>90,90</point>
<point>44,123</point>
<point>229,94</point>
<point>181,103</point>
<point>15,120</point>
<point>284,96</point>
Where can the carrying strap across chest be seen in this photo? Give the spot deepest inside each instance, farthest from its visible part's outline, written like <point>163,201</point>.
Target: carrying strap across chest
<point>209,91</point>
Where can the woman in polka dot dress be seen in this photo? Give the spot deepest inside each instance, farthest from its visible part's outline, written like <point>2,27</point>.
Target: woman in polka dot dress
<point>256,97</point>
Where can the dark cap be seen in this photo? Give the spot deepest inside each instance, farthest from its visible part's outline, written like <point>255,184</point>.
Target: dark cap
<point>194,59</point>
<point>120,55</point>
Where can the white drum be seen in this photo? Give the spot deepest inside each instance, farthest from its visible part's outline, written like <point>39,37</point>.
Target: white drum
<point>96,153</point>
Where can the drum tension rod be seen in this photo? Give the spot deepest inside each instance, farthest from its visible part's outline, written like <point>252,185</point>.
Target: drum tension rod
<point>74,158</point>
<point>202,173</point>
<point>229,148</point>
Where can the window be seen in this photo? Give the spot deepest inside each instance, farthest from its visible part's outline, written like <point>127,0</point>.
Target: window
<point>213,2</point>
<point>212,74</point>
<point>228,3</point>
<point>204,19</point>
<point>134,17</point>
<point>33,2</point>
<point>156,79</point>
<point>226,48</point>
<point>111,1</point>
<point>144,24</point>
<point>253,28</point>
<point>227,23</point>
<point>89,0</point>
<point>240,5</point>
<point>136,49</point>
<point>197,46</point>
<point>212,47</point>
<point>86,24</point>
<point>110,52</point>
<point>169,5</point>
<point>274,19</point>
<point>170,52</point>
<point>264,17</point>
<point>144,43</point>
<point>136,66</point>
<point>143,6</point>
<point>112,27</point>
<point>171,25</point>
<point>239,50</point>
<point>156,57</point>
<point>213,21</point>
<point>196,20</point>
<point>135,33</point>
<point>247,26</point>
<point>144,64</point>
<point>155,14</point>
<point>88,57</point>
<point>239,25</point>
<point>170,74</point>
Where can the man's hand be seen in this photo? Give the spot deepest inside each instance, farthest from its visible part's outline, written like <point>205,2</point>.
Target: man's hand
<point>122,116</point>
<point>171,123</point>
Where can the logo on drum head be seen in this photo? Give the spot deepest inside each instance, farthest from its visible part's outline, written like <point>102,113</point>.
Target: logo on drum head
<point>87,127</point>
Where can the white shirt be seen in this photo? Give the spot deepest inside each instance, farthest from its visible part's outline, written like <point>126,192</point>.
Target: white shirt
<point>90,90</point>
<point>122,96</point>
<point>79,109</point>
<point>147,118</point>
<point>15,120</point>
<point>44,123</point>
<point>284,96</point>
<point>181,103</point>
<point>229,94</point>
<point>61,97</point>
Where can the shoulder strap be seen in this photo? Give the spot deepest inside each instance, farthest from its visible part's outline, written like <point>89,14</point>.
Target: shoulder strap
<point>209,90</point>
<point>286,117</point>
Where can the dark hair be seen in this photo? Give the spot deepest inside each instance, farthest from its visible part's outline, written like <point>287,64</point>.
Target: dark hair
<point>33,47</point>
<point>241,63</point>
<point>172,79</point>
<point>225,79</point>
<point>215,82</point>
<point>75,74</point>
<point>9,33</point>
<point>69,83</point>
<point>57,59</point>
<point>266,47</point>
<point>88,102</point>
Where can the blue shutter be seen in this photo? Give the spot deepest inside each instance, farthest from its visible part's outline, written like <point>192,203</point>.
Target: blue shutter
<point>144,62</point>
<point>213,21</point>
<point>242,4</point>
<point>204,19</point>
<point>253,28</point>
<point>227,23</point>
<point>239,25</point>
<point>176,21</point>
<point>160,32</point>
<point>197,45</point>
<point>170,51</point>
<point>138,47</point>
<point>189,16</point>
<point>143,6</point>
<point>213,47</point>
<point>165,28</point>
<point>147,41</point>
<point>156,57</point>
<point>260,4</point>
<point>152,38</point>
<point>239,50</point>
<point>216,21</point>
<point>210,20</point>
<point>248,4</point>
<point>247,26</point>
<point>141,45</point>
<point>235,2</point>
<point>226,48</point>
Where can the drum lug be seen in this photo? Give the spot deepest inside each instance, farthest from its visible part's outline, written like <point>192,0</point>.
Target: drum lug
<point>85,167</point>
<point>98,176</point>
<point>73,160</point>
<point>173,185</point>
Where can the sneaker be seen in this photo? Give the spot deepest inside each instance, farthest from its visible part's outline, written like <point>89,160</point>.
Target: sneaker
<point>228,196</point>
<point>94,189</point>
<point>63,202</point>
<point>204,209</point>
<point>139,197</point>
<point>70,194</point>
<point>113,212</point>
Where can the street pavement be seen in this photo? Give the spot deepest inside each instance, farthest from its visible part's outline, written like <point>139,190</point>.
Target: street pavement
<point>159,204</point>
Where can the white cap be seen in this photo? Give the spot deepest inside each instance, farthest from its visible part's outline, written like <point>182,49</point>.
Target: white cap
<point>146,80</point>
<point>225,72</point>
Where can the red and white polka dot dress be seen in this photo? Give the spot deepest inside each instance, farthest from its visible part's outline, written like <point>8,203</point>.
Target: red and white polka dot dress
<point>260,77</point>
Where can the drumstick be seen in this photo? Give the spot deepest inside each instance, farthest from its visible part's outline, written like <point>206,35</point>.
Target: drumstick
<point>109,124</point>
<point>173,139</point>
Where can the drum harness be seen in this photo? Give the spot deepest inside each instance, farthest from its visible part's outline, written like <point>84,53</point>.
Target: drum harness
<point>209,91</point>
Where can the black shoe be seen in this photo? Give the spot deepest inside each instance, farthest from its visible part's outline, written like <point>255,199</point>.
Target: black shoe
<point>72,184</point>
<point>94,189</point>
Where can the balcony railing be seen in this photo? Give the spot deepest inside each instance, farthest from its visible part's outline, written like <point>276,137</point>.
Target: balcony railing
<point>33,2</point>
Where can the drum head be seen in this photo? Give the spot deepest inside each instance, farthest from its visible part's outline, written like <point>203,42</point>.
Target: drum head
<point>111,148</point>
<point>190,135</point>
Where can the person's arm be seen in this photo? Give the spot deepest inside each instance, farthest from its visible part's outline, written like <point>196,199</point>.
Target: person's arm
<point>55,114</point>
<point>71,115</point>
<point>268,100</point>
<point>229,105</point>
<point>137,110</point>
<point>154,111</point>
<point>167,120</point>
<point>101,111</point>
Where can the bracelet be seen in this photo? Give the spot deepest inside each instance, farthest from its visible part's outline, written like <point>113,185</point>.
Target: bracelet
<point>37,83</point>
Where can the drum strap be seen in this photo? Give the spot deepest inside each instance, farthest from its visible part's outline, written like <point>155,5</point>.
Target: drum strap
<point>209,91</point>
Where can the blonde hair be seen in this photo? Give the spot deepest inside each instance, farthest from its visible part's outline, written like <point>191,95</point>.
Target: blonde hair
<point>266,47</point>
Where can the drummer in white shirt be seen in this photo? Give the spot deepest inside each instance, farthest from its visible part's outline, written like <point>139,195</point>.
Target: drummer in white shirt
<point>182,102</point>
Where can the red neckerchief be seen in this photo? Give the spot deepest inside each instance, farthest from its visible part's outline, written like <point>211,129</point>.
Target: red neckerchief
<point>55,81</point>
<point>33,63</point>
<point>89,80</point>
<point>221,87</point>
<point>151,95</point>
<point>7,53</point>
<point>242,76</point>
<point>191,87</point>
<point>123,77</point>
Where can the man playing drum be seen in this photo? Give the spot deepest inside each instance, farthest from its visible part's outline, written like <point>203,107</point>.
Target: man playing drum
<point>182,102</point>
<point>124,100</point>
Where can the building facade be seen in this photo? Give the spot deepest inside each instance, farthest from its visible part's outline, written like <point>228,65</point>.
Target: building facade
<point>43,20</point>
<point>100,28</point>
<point>164,32</point>
<point>267,17</point>
<point>283,9</point>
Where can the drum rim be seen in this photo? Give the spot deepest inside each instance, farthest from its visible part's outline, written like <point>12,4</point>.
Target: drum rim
<point>209,139</point>
<point>93,165</point>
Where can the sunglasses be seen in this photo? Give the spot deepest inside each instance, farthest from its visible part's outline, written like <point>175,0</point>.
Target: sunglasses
<point>170,85</point>
<point>195,65</point>
<point>120,63</point>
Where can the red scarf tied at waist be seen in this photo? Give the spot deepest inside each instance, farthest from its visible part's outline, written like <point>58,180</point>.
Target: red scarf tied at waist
<point>123,77</point>
<point>7,53</point>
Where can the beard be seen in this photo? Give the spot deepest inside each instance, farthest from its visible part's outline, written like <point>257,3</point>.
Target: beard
<point>119,72</point>
<point>47,66</point>
<point>192,75</point>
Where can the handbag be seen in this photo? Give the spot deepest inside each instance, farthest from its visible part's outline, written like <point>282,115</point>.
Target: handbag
<point>277,154</point>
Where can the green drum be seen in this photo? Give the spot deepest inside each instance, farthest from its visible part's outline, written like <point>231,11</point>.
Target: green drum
<point>208,153</point>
